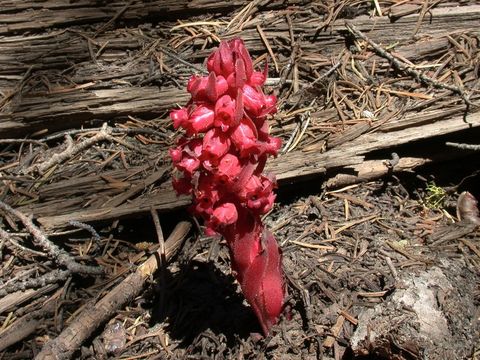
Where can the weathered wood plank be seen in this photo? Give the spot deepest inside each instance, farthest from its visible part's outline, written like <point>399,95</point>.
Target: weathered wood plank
<point>71,109</point>
<point>61,49</point>
<point>32,110</point>
<point>289,167</point>
<point>381,29</point>
<point>21,16</point>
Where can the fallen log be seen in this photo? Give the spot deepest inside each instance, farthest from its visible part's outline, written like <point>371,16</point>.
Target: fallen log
<point>111,88</point>
<point>24,16</point>
<point>289,167</point>
<point>72,109</point>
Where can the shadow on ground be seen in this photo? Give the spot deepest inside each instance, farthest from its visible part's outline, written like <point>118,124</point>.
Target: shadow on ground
<point>200,299</point>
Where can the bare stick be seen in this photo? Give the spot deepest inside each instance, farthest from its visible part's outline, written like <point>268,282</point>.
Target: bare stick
<point>52,277</point>
<point>464,146</point>
<point>405,68</point>
<point>129,131</point>
<point>92,317</point>
<point>72,150</point>
<point>58,254</point>
<point>7,237</point>
<point>86,227</point>
<point>161,239</point>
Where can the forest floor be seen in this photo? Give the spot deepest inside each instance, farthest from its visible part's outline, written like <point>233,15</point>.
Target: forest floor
<point>378,104</point>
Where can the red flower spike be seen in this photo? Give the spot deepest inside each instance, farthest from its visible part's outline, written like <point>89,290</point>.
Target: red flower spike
<point>244,136</point>
<point>176,155</point>
<point>244,242</point>
<point>272,146</point>
<point>229,169</point>
<point>196,87</point>
<point>222,158</point>
<point>216,86</point>
<point>221,61</point>
<point>182,185</point>
<point>211,88</point>
<point>239,107</point>
<point>242,51</point>
<point>240,75</point>
<point>255,101</point>
<point>258,78</point>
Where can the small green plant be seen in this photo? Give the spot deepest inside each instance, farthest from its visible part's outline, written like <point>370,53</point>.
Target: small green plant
<point>435,196</point>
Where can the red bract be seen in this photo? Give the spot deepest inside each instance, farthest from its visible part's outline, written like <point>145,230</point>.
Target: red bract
<point>221,162</point>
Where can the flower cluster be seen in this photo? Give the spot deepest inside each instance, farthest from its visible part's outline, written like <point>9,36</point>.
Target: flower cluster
<point>221,160</point>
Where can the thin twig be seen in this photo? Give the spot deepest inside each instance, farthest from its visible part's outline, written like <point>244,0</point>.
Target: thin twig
<point>464,146</point>
<point>71,150</point>
<point>52,277</point>
<point>86,227</point>
<point>129,131</point>
<point>59,255</point>
<point>314,82</point>
<point>105,134</point>
<point>161,239</point>
<point>179,59</point>
<point>5,236</point>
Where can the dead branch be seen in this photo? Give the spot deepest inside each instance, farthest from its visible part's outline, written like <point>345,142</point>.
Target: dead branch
<point>7,238</point>
<point>86,227</point>
<point>473,147</point>
<point>59,255</point>
<point>94,316</point>
<point>52,277</point>
<point>71,150</point>
<point>116,130</point>
<point>374,169</point>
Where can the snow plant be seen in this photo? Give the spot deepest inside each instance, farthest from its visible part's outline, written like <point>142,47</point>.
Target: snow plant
<point>221,160</point>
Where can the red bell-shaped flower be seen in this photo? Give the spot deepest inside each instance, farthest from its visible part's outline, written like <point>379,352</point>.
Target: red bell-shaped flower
<point>224,214</point>
<point>179,117</point>
<point>244,136</point>
<point>229,169</point>
<point>215,144</point>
